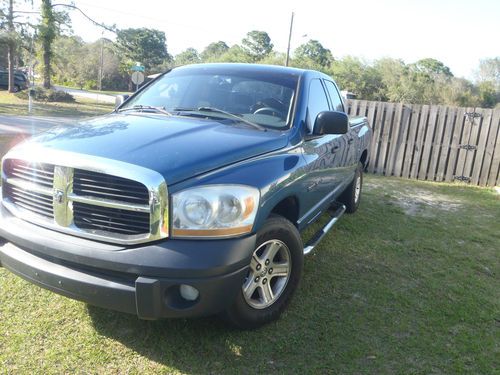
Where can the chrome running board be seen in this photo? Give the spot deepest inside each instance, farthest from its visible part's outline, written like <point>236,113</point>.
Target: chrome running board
<point>335,214</point>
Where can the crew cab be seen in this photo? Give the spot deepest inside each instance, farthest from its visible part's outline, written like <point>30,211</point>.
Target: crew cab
<point>189,198</point>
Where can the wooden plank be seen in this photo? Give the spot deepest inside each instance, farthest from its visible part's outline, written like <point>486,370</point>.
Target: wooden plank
<point>363,105</point>
<point>354,107</point>
<point>464,140</point>
<point>377,128</point>
<point>394,139</point>
<point>446,143</point>
<point>410,145</point>
<point>484,129</point>
<point>490,147</point>
<point>384,141</point>
<point>372,106</point>
<point>419,139</point>
<point>495,162</point>
<point>403,135</point>
<point>438,143</point>
<point>473,141</point>
<point>427,144</point>
<point>455,142</point>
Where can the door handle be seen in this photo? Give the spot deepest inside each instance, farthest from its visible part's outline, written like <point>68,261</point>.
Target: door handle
<point>350,140</point>
<point>335,148</point>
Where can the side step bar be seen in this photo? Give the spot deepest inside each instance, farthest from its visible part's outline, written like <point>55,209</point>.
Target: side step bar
<point>315,240</point>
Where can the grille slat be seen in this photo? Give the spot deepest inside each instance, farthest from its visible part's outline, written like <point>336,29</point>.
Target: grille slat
<point>34,201</point>
<point>42,197</point>
<point>35,209</point>
<point>26,174</point>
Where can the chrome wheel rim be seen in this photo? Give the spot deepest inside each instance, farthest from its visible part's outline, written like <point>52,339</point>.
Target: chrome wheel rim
<point>357,190</point>
<point>268,274</point>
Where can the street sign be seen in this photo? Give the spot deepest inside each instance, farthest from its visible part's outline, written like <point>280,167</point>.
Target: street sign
<point>137,78</point>
<point>137,68</point>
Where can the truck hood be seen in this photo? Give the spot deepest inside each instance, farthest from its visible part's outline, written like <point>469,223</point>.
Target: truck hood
<point>176,147</point>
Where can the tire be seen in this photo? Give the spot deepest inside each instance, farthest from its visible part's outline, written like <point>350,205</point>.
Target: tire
<point>352,194</point>
<point>16,88</point>
<point>255,305</point>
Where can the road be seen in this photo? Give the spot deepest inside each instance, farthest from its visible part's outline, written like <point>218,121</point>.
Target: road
<point>87,94</point>
<point>14,129</point>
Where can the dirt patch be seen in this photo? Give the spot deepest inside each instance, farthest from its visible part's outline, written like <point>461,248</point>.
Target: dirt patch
<point>415,201</point>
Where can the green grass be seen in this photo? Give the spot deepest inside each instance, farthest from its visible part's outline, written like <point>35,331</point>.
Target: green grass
<point>12,105</point>
<point>410,284</point>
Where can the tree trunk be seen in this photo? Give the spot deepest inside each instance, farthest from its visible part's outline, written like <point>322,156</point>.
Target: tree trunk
<point>46,66</point>
<point>11,46</point>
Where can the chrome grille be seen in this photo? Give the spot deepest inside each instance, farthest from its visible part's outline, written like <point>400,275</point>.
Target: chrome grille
<point>36,203</point>
<point>87,202</point>
<point>21,176</point>
<point>41,174</point>
<point>100,185</point>
<point>110,219</point>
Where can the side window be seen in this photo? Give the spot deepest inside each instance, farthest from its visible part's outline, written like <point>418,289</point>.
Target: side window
<point>317,102</point>
<point>334,96</point>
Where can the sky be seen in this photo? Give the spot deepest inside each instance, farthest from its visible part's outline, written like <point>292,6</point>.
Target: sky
<point>459,33</point>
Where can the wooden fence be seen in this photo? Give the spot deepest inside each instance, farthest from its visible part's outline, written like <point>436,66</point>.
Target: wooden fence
<point>433,142</point>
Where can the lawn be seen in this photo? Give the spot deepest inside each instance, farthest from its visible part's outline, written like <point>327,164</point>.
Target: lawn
<point>12,105</point>
<point>410,284</point>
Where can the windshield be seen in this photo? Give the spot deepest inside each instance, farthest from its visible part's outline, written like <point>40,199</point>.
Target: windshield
<point>263,98</point>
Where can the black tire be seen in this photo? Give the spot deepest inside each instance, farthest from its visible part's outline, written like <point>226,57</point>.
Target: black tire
<point>349,197</point>
<point>242,314</point>
<point>16,88</point>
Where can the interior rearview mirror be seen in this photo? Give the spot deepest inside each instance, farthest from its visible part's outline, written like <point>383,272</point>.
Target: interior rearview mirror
<point>331,122</point>
<point>120,99</point>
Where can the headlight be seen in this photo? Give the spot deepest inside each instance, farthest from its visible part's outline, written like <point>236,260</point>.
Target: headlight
<point>214,211</point>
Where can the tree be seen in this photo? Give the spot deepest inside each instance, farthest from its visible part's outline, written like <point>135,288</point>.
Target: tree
<point>313,51</point>
<point>489,71</point>
<point>189,56</point>
<point>354,75</point>
<point>236,54</point>
<point>11,32</point>
<point>147,46</point>
<point>257,44</point>
<point>214,51</point>
<point>432,67</point>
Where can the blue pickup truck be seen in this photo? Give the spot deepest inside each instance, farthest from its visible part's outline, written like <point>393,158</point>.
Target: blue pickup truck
<point>189,198</point>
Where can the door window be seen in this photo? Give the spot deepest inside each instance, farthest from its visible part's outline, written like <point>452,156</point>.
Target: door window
<point>337,103</point>
<point>317,102</point>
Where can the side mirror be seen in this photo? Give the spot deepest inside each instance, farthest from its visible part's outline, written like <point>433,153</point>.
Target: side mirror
<point>120,99</point>
<point>330,122</point>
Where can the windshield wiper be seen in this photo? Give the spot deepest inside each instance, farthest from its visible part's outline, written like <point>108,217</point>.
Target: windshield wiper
<point>232,115</point>
<point>140,107</point>
<point>217,110</point>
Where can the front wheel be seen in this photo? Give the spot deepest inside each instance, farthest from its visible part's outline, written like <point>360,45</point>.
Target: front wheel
<point>273,276</point>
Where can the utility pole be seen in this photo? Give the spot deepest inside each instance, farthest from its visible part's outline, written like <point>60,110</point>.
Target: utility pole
<point>289,39</point>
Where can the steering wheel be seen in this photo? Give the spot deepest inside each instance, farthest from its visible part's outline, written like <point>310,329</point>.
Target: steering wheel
<point>271,110</point>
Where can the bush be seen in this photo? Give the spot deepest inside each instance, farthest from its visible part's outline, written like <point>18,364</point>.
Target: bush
<point>46,95</point>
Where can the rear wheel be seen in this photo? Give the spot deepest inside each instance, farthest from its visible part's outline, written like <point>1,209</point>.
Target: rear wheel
<point>273,276</point>
<point>352,194</point>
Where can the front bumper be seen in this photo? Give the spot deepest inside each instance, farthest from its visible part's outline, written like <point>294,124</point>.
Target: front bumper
<point>142,280</point>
